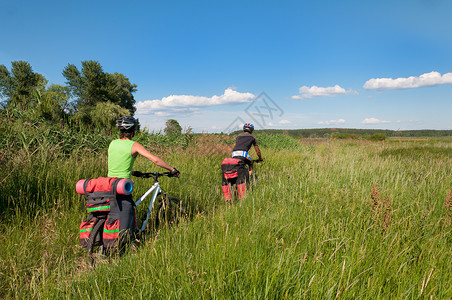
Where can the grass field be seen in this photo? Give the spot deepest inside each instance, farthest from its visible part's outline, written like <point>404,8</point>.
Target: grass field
<point>327,219</point>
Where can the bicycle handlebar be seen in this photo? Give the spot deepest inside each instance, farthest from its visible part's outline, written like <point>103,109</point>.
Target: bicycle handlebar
<point>258,160</point>
<point>154,175</point>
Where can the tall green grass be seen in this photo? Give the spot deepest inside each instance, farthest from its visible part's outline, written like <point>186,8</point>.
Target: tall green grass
<point>307,230</point>
<point>277,141</point>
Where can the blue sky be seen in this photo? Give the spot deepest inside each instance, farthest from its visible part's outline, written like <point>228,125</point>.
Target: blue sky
<point>279,64</point>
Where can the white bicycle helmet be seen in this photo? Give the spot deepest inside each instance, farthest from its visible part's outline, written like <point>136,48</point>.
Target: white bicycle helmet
<point>126,123</point>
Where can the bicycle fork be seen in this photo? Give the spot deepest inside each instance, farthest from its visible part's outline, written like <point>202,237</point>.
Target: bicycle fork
<point>156,189</point>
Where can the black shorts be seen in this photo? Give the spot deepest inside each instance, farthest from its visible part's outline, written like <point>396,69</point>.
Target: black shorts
<point>243,176</point>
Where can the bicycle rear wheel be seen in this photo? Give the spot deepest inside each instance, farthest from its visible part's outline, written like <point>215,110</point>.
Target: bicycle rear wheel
<point>170,211</point>
<point>253,179</point>
<point>234,191</point>
<point>95,248</point>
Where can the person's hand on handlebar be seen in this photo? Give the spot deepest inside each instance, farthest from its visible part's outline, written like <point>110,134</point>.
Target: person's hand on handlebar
<point>174,173</point>
<point>137,174</point>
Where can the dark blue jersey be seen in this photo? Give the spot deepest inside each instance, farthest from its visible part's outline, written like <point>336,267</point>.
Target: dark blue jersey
<point>244,141</point>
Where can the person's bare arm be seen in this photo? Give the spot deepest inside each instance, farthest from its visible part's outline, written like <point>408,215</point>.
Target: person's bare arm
<point>138,148</point>
<point>258,151</point>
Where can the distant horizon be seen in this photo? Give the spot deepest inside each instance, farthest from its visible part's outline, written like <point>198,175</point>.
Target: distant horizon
<point>334,128</point>
<point>299,129</point>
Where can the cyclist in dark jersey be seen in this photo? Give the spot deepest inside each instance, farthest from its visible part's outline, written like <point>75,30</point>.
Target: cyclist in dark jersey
<point>237,166</point>
<point>243,143</point>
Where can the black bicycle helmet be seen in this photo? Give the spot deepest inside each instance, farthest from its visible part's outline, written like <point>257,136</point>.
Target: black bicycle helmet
<point>126,123</point>
<point>248,127</point>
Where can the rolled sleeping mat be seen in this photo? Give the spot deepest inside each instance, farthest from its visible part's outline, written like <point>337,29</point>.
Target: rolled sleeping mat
<point>124,186</point>
<point>79,186</point>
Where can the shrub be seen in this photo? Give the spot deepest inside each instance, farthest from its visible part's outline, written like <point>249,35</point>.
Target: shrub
<point>376,137</point>
<point>344,136</point>
<point>173,127</point>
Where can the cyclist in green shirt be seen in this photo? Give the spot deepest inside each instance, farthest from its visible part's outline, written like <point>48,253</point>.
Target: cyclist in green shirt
<point>122,153</point>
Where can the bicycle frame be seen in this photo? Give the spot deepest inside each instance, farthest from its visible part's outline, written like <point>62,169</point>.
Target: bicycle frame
<point>156,189</point>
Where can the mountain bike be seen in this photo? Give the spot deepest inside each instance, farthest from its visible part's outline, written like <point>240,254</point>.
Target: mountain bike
<point>169,211</point>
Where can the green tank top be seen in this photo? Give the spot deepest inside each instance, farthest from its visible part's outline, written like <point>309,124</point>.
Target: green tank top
<point>120,160</point>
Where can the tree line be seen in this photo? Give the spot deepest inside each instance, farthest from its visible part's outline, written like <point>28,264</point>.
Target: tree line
<point>90,98</point>
<point>338,132</point>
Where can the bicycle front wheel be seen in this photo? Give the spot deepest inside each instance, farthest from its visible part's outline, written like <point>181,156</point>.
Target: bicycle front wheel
<point>170,211</point>
<point>95,248</point>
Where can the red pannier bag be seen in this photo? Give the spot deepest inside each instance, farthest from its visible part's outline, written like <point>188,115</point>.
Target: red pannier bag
<point>229,167</point>
<point>86,227</point>
<point>111,233</point>
<point>100,193</point>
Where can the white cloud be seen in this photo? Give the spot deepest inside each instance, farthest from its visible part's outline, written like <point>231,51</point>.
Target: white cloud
<point>284,122</point>
<point>316,91</point>
<point>188,102</point>
<point>374,121</point>
<point>162,113</point>
<point>332,122</point>
<point>426,79</point>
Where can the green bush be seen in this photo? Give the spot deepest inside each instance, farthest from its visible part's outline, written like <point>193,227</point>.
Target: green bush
<point>344,136</point>
<point>376,137</point>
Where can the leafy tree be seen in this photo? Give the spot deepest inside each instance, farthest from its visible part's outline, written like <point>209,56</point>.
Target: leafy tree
<point>92,85</point>
<point>172,127</point>
<point>19,86</point>
<point>74,82</point>
<point>87,86</point>
<point>52,103</point>
<point>5,83</point>
<point>121,91</point>
<point>105,114</point>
